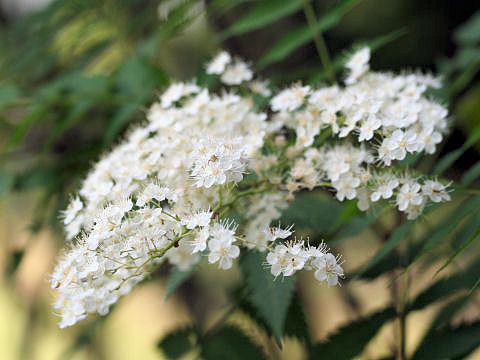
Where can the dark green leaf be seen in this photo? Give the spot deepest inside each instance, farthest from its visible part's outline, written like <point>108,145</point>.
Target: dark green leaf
<point>398,235</point>
<point>350,340</point>
<point>447,312</point>
<point>271,297</point>
<point>8,94</point>
<point>34,114</point>
<point>302,35</point>
<point>176,279</point>
<point>449,343</point>
<point>263,13</point>
<point>178,343</point>
<point>296,325</point>
<point>230,343</point>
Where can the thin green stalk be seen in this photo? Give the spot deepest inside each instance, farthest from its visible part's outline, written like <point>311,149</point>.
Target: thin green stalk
<point>319,40</point>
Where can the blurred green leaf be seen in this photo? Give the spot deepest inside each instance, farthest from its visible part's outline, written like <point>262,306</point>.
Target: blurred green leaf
<point>36,113</point>
<point>398,235</point>
<point>447,286</point>
<point>230,343</point>
<point>449,343</point>
<point>271,297</point>
<point>448,224</point>
<point>471,174</point>
<point>469,32</point>
<point>177,343</point>
<point>350,340</point>
<point>120,120</point>
<point>446,161</point>
<point>7,180</point>
<point>468,234</point>
<point>263,13</point>
<point>176,279</point>
<point>302,35</point>
<point>8,95</point>
<point>296,324</point>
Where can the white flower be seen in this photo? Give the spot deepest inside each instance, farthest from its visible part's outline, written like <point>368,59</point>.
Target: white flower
<point>327,269</point>
<point>218,64</point>
<point>221,246</point>
<point>182,256</point>
<point>290,98</point>
<point>429,140</point>
<point>236,73</point>
<point>153,191</point>
<point>199,242</point>
<point>371,124</point>
<point>400,142</point>
<point>176,91</point>
<point>346,187</point>
<point>287,259</point>
<point>435,191</point>
<point>75,206</point>
<point>275,233</point>
<point>201,219</point>
<point>408,195</point>
<point>358,65</point>
<point>385,186</point>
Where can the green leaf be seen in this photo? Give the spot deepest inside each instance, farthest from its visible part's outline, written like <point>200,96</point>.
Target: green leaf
<point>469,32</point>
<point>449,343</point>
<point>448,224</point>
<point>34,114</point>
<point>271,297</point>
<point>119,120</point>
<point>447,312</point>
<point>398,235</point>
<point>176,279</point>
<point>312,211</point>
<point>446,161</point>
<point>447,286</point>
<point>471,174</point>
<point>302,35</point>
<point>468,234</point>
<point>296,324</point>
<point>263,13</point>
<point>230,343</point>
<point>7,180</point>
<point>350,340</point>
<point>178,343</point>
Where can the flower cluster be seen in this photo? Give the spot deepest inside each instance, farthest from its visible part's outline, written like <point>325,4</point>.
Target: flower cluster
<point>165,192</point>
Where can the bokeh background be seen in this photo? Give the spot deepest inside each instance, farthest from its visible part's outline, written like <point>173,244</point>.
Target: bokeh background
<point>75,74</point>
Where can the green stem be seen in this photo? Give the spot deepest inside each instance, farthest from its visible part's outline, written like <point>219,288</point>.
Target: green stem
<point>319,40</point>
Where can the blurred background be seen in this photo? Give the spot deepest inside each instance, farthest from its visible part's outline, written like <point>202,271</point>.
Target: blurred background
<point>75,74</point>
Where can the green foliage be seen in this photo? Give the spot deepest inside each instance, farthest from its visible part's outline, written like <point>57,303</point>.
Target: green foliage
<point>176,279</point>
<point>271,297</point>
<point>230,343</point>
<point>350,340</point>
<point>176,344</point>
<point>449,343</point>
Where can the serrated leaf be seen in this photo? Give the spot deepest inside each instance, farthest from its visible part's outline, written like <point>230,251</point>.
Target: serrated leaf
<point>175,344</point>
<point>296,324</point>
<point>176,279</point>
<point>449,343</point>
<point>230,343</point>
<point>350,340</point>
<point>302,35</point>
<point>398,235</point>
<point>263,13</point>
<point>271,297</point>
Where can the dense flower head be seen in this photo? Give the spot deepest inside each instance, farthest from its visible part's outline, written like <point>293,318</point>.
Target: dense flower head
<point>165,192</point>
